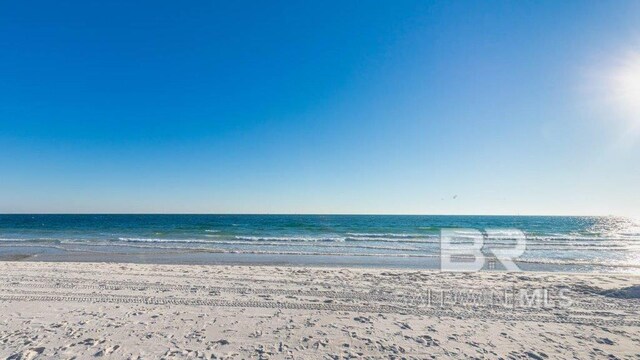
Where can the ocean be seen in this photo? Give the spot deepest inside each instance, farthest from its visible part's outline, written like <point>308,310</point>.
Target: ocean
<point>580,244</point>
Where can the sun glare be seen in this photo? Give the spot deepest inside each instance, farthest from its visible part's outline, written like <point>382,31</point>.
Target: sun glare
<point>622,88</point>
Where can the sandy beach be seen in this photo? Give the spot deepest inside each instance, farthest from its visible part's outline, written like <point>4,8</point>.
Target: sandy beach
<point>136,311</point>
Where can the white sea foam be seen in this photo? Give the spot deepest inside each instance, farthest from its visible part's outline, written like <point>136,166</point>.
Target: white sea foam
<point>320,245</point>
<point>157,240</point>
<point>291,238</point>
<point>582,262</point>
<point>431,240</point>
<point>150,245</point>
<point>386,235</point>
<point>23,240</point>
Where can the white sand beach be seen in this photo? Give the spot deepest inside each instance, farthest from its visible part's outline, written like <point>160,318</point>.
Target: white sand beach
<point>134,311</point>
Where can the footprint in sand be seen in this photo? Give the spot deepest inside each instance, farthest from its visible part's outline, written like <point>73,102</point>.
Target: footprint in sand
<point>27,354</point>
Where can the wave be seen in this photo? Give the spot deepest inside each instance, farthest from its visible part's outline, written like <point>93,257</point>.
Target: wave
<point>23,240</point>
<point>580,262</point>
<point>325,242</point>
<point>291,239</point>
<point>610,263</point>
<point>581,238</point>
<point>363,246</point>
<point>387,235</point>
<point>433,240</point>
<point>156,240</point>
<point>336,245</point>
<point>539,243</point>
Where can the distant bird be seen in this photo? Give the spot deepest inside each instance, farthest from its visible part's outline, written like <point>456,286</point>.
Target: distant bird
<point>455,197</point>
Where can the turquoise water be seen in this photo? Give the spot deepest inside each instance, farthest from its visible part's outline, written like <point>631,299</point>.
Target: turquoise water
<point>553,243</point>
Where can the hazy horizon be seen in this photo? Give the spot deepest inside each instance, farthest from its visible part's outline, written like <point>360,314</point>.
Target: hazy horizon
<point>322,214</point>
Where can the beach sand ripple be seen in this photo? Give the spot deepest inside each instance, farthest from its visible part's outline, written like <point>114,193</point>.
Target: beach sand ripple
<point>135,311</point>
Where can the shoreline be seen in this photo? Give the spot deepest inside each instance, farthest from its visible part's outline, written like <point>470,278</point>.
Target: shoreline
<point>46,253</point>
<point>125,310</point>
<point>376,267</point>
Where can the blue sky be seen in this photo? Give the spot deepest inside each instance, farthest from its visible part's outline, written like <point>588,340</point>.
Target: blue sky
<point>466,107</point>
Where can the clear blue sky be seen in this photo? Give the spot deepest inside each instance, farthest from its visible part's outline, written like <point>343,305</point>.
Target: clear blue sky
<point>449,107</point>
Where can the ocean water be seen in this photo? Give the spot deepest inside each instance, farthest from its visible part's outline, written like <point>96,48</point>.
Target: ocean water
<point>600,244</point>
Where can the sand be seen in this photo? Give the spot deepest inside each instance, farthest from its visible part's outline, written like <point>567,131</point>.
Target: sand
<point>135,311</point>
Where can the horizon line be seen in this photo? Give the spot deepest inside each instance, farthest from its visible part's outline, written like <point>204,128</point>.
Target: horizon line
<point>304,214</point>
